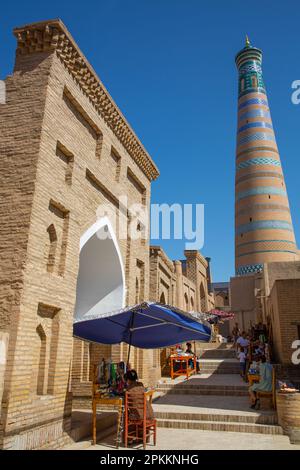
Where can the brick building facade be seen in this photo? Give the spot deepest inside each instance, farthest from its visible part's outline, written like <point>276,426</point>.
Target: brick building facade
<point>272,297</point>
<point>66,150</point>
<point>183,283</point>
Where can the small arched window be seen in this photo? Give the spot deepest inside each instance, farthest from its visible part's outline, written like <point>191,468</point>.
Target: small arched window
<point>137,291</point>
<point>254,81</point>
<point>41,375</point>
<point>52,248</point>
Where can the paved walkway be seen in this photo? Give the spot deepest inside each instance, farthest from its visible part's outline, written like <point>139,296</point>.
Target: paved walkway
<point>201,440</point>
<point>175,407</point>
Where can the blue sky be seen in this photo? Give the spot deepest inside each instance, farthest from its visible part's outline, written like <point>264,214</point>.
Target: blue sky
<point>169,65</point>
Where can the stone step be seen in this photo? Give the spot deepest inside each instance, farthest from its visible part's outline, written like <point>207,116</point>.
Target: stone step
<point>220,426</point>
<point>188,385</point>
<point>250,418</point>
<point>218,354</point>
<point>218,365</point>
<point>220,370</point>
<point>223,366</point>
<point>212,346</point>
<point>205,384</point>
<point>226,362</point>
<point>206,391</point>
<point>210,370</point>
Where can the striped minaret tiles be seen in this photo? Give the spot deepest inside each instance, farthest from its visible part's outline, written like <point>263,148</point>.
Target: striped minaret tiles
<point>263,226</point>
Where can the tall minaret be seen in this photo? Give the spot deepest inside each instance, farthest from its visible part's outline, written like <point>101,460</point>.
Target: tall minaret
<point>263,225</point>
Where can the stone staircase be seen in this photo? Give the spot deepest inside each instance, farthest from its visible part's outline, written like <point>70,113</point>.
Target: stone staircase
<point>214,400</point>
<point>219,366</point>
<point>204,388</point>
<point>218,353</point>
<point>214,359</point>
<point>211,407</point>
<point>218,361</point>
<point>218,425</point>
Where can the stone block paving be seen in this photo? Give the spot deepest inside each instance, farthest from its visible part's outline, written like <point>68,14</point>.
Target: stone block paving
<point>200,440</point>
<point>208,411</point>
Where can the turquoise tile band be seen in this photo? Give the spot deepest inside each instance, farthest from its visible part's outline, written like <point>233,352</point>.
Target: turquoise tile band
<point>264,225</point>
<point>258,161</point>
<point>270,190</point>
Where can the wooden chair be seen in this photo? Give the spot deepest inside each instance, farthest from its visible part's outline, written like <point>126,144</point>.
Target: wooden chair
<point>272,393</point>
<point>137,426</point>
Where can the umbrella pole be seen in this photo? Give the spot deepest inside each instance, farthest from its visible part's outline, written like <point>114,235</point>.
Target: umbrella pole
<point>128,356</point>
<point>130,338</point>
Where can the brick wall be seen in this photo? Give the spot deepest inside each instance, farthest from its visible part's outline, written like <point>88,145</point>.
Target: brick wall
<point>65,150</point>
<point>56,168</point>
<point>284,312</point>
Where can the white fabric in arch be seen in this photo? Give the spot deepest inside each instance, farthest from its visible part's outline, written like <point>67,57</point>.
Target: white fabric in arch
<point>101,277</point>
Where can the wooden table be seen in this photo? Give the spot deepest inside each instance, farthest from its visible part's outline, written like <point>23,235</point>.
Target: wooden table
<point>100,397</point>
<point>253,378</point>
<point>111,403</point>
<point>183,370</point>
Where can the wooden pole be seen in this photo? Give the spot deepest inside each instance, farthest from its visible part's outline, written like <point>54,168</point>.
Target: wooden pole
<point>128,356</point>
<point>130,337</point>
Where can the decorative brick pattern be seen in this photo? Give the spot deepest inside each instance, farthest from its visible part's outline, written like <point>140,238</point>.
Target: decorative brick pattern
<point>249,269</point>
<point>52,37</point>
<point>254,137</point>
<point>260,190</point>
<point>258,161</point>
<point>255,124</point>
<point>253,101</point>
<point>261,198</point>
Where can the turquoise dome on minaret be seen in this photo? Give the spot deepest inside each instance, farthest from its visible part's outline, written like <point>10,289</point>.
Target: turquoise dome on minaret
<point>248,62</point>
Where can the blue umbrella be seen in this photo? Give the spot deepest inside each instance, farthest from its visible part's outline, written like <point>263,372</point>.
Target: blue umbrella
<point>148,325</point>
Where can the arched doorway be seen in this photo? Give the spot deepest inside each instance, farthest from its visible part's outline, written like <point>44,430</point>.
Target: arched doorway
<point>162,298</point>
<point>186,302</point>
<point>101,279</point>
